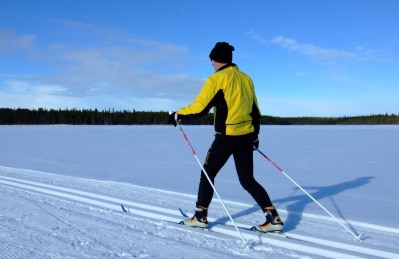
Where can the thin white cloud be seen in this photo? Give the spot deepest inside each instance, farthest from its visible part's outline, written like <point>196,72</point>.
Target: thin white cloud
<point>316,53</point>
<point>11,43</point>
<point>323,55</point>
<point>114,68</point>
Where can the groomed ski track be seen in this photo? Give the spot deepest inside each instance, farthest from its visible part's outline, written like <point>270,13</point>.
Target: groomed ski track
<point>320,236</point>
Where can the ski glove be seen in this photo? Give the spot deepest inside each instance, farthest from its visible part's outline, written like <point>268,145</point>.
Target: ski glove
<point>255,142</point>
<point>173,118</point>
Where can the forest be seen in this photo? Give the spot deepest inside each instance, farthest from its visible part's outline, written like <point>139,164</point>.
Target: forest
<point>41,116</point>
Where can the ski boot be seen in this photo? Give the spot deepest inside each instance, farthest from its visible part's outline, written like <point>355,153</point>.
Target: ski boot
<point>199,220</point>
<point>273,222</point>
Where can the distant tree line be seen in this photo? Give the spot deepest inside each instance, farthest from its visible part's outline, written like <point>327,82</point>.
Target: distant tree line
<point>380,119</point>
<point>87,117</point>
<point>110,117</point>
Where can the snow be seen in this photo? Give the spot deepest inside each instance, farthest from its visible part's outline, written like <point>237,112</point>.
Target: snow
<point>61,188</point>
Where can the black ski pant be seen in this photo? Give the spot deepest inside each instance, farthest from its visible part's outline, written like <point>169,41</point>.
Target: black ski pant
<point>241,147</point>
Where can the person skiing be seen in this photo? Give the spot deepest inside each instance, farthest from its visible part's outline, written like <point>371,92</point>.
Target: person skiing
<point>231,94</point>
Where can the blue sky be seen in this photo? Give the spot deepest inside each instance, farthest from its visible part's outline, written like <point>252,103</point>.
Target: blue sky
<point>306,58</point>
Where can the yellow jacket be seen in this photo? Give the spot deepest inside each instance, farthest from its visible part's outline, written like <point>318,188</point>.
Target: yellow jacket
<point>231,94</point>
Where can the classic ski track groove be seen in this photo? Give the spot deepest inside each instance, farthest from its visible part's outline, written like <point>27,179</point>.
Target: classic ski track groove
<point>301,243</point>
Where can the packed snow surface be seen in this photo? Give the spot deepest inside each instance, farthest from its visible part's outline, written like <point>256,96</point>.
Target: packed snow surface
<point>61,190</point>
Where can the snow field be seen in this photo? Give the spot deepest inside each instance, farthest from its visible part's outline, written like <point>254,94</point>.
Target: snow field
<point>61,188</point>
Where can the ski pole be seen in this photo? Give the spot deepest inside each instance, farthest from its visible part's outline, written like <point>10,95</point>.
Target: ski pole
<point>213,186</point>
<point>310,196</point>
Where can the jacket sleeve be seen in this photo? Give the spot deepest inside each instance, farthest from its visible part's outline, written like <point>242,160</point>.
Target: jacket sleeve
<point>202,102</point>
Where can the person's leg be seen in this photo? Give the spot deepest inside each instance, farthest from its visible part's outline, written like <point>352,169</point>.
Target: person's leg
<point>216,157</point>
<point>243,158</point>
<point>218,154</point>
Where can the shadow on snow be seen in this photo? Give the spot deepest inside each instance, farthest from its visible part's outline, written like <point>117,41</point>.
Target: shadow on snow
<point>298,203</point>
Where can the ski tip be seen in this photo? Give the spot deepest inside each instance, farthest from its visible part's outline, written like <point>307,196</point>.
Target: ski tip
<point>123,208</point>
<point>183,213</point>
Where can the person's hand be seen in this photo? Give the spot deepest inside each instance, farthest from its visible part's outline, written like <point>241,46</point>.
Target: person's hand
<point>173,118</point>
<point>255,142</point>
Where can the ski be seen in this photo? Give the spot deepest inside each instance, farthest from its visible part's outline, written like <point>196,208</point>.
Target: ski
<point>222,228</point>
<point>251,229</point>
<point>123,208</point>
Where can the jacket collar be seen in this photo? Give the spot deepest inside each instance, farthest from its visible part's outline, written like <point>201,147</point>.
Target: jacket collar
<point>226,66</point>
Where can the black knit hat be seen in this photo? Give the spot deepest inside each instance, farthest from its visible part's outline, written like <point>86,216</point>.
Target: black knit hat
<point>222,53</point>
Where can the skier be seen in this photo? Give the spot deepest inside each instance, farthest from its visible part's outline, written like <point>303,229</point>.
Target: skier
<point>231,94</point>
